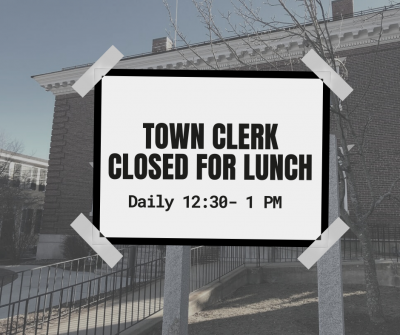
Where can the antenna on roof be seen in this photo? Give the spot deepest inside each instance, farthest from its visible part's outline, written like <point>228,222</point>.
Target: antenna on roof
<point>176,21</point>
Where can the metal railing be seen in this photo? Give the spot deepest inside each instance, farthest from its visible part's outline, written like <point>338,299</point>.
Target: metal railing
<point>85,295</point>
<point>76,296</point>
<point>210,263</point>
<point>385,241</point>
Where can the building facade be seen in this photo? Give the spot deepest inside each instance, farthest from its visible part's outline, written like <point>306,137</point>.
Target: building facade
<point>369,47</point>
<point>23,171</point>
<point>23,181</point>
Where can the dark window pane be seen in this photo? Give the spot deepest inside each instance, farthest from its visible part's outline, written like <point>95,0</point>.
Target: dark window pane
<point>23,220</point>
<point>35,173</point>
<point>27,220</point>
<point>42,180</point>
<point>17,171</point>
<point>35,178</point>
<point>4,170</point>
<point>16,175</point>
<point>38,220</point>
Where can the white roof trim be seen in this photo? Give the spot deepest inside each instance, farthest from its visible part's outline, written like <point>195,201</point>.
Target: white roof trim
<point>352,33</point>
<point>32,161</point>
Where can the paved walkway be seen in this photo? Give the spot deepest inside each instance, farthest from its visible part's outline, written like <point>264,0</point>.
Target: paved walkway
<point>49,284</point>
<point>106,316</point>
<point>63,286</point>
<point>133,308</point>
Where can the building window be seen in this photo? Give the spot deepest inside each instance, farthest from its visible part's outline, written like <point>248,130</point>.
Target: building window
<point>34,178</point>
<point>27,219</point>
<point>42,180</point>
<point>16,175</point>
<point>4,172</point>
<point>26,176</point>
<point>38,220</point>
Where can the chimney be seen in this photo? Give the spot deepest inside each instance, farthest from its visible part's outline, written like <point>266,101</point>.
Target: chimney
<point>342,9</point>
<point>161,44</point>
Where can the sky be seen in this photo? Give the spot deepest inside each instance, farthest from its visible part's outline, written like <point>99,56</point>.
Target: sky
<point>43,36</point>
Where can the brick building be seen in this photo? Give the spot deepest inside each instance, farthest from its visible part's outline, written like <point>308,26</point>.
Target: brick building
<point>373,71</point>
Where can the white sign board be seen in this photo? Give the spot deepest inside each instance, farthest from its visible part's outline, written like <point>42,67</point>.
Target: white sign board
<point>226,157</point>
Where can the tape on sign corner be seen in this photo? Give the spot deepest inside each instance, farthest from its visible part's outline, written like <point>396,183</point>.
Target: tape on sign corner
<point>105,63</point>
<point>106,251</point>
<point>314,252</point>
<point>96,238</point>
<point>337,84</point>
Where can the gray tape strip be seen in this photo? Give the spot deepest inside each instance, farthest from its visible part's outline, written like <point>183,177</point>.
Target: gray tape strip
<point>96,239</point>
<point>104,64</point>
<point>316,64</point>
<point>106,251</point>
<point>330,236</point>
<point>81,224</point>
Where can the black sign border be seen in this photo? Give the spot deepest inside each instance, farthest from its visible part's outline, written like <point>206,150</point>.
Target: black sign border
<point>214,74</point>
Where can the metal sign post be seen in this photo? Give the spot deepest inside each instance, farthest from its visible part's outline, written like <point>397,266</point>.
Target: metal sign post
<point>176,290</point>
<point>330,287</point>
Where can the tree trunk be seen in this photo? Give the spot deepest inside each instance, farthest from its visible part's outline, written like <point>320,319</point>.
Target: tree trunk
<point>374,304</point>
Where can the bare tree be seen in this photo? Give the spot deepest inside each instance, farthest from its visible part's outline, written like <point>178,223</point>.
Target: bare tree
<point>7,149</point>
<point>17,222</point>
<point>18,230</point>
<point>264,42</point>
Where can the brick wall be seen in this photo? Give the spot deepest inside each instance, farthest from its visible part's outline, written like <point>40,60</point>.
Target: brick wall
<point>69,182</point>
<point>161,44</point>
<point>342,8</point>
<point>375,75</point>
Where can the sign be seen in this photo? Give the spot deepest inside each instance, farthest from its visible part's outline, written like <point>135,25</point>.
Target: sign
<point>211,157</point>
